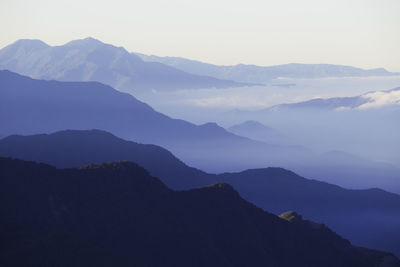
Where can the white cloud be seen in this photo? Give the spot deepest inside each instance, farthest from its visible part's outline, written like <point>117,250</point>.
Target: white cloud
<point>380,99</point>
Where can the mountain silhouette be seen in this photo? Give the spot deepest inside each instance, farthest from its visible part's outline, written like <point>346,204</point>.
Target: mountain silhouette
<point>263,74</point>
<point>72,148</point>
<point>29,106</point>
<point>91,60</point>
<point>368,218</point>
<point>116,214</point>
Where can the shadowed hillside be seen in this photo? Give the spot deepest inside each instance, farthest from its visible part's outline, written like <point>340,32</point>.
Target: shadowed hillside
<point>367,217</point>
<point>116,214</point>
<point>73,148</point>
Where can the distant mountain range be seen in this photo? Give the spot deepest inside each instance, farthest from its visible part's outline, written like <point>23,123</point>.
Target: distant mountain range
<point>116,214</point>
<point>365,125</point>
<point>376,99</point>
<point>29,106</point>
<point>91,60</point>
<point>368,218</point>
<point>264,74</point>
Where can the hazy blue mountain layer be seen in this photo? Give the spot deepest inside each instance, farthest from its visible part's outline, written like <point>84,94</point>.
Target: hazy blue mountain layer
<point>29,106</point>
<point>258,131</point>
<point>264,74</point>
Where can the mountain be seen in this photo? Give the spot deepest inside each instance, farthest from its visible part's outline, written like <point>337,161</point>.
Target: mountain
<point>91,60</point>
<point>352,170</point>
<point>376,99</point>
<point>264,74</point>
<point>72,148</point>
<point>116,214</point>
<point>368,218</point>
<point>258,131</point>
<point>29,106</point>
<point>363,127</point>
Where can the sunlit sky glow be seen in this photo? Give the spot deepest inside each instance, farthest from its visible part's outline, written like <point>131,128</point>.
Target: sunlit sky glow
<point>363,33</point>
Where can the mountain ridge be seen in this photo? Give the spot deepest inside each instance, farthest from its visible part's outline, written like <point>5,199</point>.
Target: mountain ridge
<point>264,74</point>
<point>46,107</point>
<point>116,214</point>
<point>360,102</point>
<point>92,60</point>
<point>276,190</point>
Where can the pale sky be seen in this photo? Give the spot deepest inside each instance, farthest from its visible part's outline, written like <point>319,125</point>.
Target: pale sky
<point>362,33</point>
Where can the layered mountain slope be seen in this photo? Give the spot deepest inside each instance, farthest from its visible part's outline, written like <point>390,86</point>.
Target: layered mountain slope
<point>263,74</point>
<point>116,214</point>
<point>29,106</point>
<point>72,148</point>
<point>367,217</point>
<point>364,128</point>
<point>91,60</point>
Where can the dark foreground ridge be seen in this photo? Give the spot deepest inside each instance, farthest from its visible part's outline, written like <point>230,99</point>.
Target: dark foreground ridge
<point>368,218</point>
<point>116,214</point>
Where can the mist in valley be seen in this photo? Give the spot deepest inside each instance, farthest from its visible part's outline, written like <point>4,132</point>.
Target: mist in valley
<point>350,145</point>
